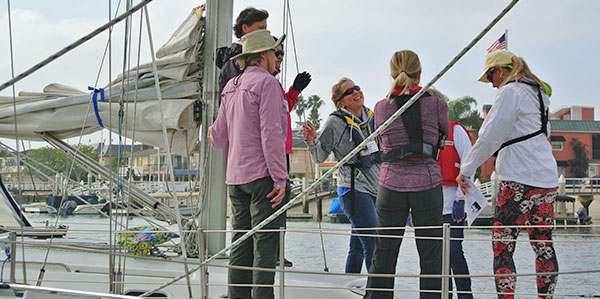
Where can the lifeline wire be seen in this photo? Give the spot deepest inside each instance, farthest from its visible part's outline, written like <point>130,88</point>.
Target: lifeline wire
<point>397,114</point>
<point>73,45</point>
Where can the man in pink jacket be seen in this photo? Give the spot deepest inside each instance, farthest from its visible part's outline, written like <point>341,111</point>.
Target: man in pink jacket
<point>252,121</point>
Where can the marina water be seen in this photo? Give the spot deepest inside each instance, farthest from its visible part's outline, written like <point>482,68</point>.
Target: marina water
<point>577,248</point>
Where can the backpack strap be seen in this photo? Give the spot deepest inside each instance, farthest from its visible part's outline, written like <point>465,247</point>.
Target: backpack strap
<point>543,118</point>
<point>411,119</point>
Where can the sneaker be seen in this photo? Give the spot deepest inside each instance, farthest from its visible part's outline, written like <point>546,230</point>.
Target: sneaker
<point>286,263</point>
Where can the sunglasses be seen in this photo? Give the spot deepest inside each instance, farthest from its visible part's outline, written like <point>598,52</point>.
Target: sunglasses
<point>490,74</point>
<point>349,91</point>
<point>279,53</point>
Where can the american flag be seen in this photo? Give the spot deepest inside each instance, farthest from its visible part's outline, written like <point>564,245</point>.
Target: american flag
<point>500,44</point>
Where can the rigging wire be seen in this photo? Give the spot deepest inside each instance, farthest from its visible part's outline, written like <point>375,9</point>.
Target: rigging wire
<point>168,149</point>
<point>14,96</point>
<point>304,104</point>
<point>289,12</point>
<point>64,183</point>
<point>12,71</point>
<point>53,181</point>
<point>135,98</point>
<point>351,154</point>
<point>122,145</point>
<point>111,257</point>
<point>60,53</point>
<point>72,46</point>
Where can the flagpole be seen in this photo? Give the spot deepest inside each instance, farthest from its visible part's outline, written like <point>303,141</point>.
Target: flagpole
<point>506,38</point>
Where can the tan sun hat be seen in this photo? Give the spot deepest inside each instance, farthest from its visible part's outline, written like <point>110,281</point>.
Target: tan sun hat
<point>496,58</point>
<point>258,41</point>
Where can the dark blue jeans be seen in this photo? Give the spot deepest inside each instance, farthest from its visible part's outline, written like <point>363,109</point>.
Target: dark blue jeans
<point>458,263</point>
<point>361,248</point>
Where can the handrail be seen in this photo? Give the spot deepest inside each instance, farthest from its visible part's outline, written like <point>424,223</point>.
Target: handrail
<point>347,232</point>
<point>23,287</point>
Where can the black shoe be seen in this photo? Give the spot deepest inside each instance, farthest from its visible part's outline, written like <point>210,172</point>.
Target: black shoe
<point>286,263</point>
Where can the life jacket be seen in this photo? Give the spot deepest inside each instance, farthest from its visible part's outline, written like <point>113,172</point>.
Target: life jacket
<point>449,160</point>
<point>411,118</point>
<point>543,117</point>
<point>365,160</point>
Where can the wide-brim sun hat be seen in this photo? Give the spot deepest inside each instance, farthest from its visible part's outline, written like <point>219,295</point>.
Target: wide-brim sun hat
<point>496,58</point>
<point>258,41</point>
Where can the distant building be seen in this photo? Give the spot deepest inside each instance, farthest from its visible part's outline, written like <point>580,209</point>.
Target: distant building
<point>300,163</point>
<point>575,122</point>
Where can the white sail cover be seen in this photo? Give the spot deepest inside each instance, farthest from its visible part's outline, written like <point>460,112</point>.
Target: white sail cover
<point>66,112</point>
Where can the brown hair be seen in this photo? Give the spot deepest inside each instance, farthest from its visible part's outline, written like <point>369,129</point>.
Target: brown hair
<point>336,91</point>
<point>521,70</point>
<point>405,68</point>
<point>248,17</point>
<point>249,60</point>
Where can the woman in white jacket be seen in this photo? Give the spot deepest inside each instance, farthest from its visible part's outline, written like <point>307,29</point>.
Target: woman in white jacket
<point>516,130</point>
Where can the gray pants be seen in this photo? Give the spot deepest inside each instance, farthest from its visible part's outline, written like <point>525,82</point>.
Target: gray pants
<point>250,206</point>
<point>392,211</point>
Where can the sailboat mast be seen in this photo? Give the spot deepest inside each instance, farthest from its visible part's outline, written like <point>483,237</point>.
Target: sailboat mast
<point>218,31</point>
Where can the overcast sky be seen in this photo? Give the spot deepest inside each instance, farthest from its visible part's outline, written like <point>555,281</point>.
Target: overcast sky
<point>558,39</point>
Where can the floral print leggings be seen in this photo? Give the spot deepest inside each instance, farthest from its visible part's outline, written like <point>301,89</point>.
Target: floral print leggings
<point>519,204</point>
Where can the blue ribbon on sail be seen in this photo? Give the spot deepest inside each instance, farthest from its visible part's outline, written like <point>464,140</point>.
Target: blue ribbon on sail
<point>95,101</point>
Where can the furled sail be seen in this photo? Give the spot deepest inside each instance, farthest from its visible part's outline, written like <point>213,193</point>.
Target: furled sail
<point>66,112</point>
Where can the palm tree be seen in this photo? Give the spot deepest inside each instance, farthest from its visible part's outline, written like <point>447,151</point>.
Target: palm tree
<point>315,102</point>
<point>460,110</point>
<point>300,107</point>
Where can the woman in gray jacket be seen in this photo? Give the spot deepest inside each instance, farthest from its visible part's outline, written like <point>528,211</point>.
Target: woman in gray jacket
<point>344,129</point>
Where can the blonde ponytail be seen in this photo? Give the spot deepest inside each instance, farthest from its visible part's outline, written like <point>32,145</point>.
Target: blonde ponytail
<point>405,68</point>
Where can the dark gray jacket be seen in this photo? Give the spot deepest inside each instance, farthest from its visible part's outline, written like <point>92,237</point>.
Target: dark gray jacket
<point>229,68</point>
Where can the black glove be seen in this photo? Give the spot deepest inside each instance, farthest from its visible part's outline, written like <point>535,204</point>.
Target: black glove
<point>301,81</point>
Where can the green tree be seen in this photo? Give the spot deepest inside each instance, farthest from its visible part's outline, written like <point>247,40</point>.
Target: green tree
<point>460,110</point>
<point>57,161</point>
<point>78,172</point>
<point>315,102</point>
<point>579,164</point>
<point>300,108</point>
<point>50,157</point>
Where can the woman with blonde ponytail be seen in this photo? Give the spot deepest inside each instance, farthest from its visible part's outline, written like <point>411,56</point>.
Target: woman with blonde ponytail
<point>410,177</point>
<point>516,131</point>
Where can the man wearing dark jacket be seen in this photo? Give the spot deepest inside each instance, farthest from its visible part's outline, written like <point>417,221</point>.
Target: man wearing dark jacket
<point>249,19</point>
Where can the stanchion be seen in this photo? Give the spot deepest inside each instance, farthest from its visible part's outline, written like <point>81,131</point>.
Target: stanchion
<point>446,260</point>
<point>282,263</point>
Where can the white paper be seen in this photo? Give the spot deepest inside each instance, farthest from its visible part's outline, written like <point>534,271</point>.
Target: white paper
<point>475,203</point>
<point>372,147</point>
